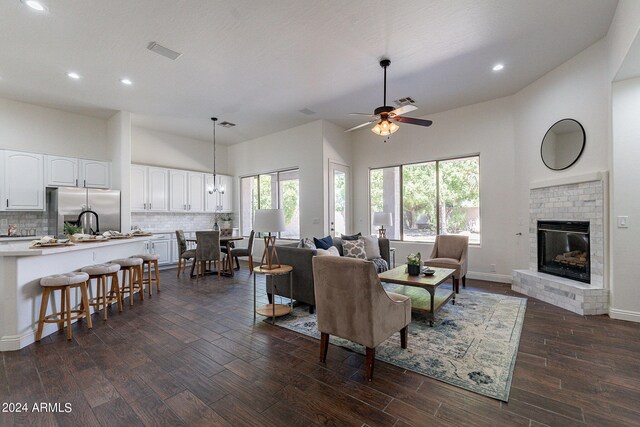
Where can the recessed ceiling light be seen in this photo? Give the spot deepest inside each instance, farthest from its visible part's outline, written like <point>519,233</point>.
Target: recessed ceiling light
<point>35,5</point>
<point>126,82</point>
<point>498,67</point>
<point>73,75</point>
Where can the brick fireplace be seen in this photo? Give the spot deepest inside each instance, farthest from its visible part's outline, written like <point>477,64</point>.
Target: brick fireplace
<point>567,225</point>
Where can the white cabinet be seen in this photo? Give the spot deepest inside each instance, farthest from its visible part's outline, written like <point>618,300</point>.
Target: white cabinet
<point>71,172</point>
<point>23,175</point>
<point>196,192</point>
<point>162,248</point>
<point>149,188</point>
<point>95,174</point>
<point>220,202</point>
<point>62,171</point>
<point>187,191</point>
<point>178,185</point>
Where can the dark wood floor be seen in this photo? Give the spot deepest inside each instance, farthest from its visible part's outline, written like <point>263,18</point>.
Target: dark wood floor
<point>192,356</point>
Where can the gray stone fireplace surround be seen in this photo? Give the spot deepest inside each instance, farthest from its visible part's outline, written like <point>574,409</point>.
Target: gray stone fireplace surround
<point>581,198</point>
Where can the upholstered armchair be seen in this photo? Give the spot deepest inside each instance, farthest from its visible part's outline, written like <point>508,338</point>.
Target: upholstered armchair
<point>352,304</point>
<point>450,251</point>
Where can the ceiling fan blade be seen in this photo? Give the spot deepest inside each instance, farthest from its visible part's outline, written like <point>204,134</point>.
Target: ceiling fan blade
<point>403,110</point>
<point>363,114</point>
<point>412,121</point>
<point>362,125</point>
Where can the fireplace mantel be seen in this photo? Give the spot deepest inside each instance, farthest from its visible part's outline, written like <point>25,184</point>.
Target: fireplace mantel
<point>568,180</point>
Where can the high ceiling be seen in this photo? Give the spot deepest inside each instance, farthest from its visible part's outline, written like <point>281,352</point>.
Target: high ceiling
<point>257,63</point>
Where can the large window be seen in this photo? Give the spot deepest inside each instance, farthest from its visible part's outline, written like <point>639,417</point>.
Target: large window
<point>427,199</point>
<point>269,191</point>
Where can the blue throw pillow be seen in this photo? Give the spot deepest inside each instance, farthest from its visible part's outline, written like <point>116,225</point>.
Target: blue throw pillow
<point>324,243</point>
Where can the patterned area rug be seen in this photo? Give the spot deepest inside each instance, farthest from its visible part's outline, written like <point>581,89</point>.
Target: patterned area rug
<point>472,345</point>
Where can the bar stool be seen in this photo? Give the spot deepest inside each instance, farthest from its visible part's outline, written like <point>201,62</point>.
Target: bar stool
<point>101,272</point>
<point>63,283</point>
<point>150,260</point>
<point>132,266</point>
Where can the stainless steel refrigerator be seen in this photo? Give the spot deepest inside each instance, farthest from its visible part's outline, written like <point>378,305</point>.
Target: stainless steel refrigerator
<point>96,211</point>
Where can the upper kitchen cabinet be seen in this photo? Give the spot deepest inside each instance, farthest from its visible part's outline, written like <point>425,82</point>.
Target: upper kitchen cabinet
<point>149,189</point>
<point>23,176</point>
<point>178,197</point>
<point>95,174</point>
<point>196,192</point>
<point>72,172</point>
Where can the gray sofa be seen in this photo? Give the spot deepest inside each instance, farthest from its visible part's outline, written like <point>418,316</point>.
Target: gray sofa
<point>301,261</point>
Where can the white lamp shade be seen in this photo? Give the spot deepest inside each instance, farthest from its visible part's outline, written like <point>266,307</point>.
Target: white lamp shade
<point>382,218</point>
<point>269,220</point>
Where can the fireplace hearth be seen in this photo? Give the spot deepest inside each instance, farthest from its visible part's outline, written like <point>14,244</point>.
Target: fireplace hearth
<point>564,249</point>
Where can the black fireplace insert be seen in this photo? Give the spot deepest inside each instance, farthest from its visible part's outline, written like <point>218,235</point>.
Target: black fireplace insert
<point>563,249</point>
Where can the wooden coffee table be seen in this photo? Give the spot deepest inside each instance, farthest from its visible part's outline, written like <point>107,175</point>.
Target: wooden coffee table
<point>428,303</point>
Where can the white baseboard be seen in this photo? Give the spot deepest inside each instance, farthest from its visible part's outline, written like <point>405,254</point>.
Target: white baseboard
<point>631,316</point>
<point>489,277</point>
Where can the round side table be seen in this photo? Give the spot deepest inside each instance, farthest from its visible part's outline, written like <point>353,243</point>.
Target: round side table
<point>274,310</point>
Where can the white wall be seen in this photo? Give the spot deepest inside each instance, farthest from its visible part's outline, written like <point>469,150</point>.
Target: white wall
<point>485,129</point>
<point>156,148</point>
<point>299,147</point>
<point>29,127</point>
<point>578,89</point>
<point>625,301</point>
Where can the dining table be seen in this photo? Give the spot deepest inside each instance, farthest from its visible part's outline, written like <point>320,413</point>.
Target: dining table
<point>228,265</point>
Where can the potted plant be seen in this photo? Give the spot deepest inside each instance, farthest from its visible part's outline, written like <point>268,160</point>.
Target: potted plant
<point>70,230</point>
<point>414,264</point>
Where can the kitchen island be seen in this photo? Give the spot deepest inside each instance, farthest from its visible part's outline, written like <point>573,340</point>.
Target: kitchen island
<point>21,269</point>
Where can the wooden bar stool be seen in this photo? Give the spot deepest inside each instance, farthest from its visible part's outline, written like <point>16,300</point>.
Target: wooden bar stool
<point>150,260</point>
<point>101,272</point>
<point>131,267</point>
<point>63,283</point>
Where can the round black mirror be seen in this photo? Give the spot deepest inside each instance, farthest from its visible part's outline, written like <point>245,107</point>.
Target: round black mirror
<point>563,144</point>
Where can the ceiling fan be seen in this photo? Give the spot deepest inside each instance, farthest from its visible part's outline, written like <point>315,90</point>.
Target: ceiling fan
<point>387,115</point>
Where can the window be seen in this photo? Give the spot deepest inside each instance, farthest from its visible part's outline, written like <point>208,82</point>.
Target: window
<point>269,191</point>
<point>427,199</point>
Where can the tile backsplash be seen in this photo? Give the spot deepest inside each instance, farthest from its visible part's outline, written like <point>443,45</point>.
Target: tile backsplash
<point>167,221</point>
<point>28,223</point>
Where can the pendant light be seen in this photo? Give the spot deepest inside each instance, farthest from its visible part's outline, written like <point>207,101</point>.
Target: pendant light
<point>215,188</point>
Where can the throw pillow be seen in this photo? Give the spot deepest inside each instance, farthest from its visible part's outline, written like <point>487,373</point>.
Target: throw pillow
<point>306,243</point>
<point>354,249</point>
<point>353,237</point>
<point>324,243</point>
<point>371,247</point>
<point>332,251</point>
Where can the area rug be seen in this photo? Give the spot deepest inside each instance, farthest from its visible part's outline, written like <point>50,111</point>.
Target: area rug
<point>472,345</point>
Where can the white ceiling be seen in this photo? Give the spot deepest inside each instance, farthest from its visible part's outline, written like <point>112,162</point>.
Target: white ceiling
<point>256,62</point>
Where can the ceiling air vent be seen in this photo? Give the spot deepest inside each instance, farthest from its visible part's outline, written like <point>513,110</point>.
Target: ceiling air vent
<point>404,101</point>
<point>227,124</point>
<point>307,112</point>
<point>164,51</point>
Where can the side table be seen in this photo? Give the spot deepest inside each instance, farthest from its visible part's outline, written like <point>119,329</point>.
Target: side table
<point>274,310</point>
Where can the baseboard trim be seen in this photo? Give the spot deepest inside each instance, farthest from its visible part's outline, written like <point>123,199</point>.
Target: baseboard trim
<point>489,277</point>
<point>631,316</point>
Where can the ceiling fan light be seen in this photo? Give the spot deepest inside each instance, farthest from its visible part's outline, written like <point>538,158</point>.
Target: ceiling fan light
<point>377,129</point>
<point>384,124</point>
<point>393,127</point>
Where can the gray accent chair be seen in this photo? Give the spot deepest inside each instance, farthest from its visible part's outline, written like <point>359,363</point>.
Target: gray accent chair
<point>184,254</point>
<point>450,251</point>
<point>301,261</point>
<point>353,305</point>
<point>207,250</point>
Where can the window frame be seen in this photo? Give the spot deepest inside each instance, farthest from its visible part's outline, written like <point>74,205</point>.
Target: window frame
<point>400,167</point>
<point>277,195</point>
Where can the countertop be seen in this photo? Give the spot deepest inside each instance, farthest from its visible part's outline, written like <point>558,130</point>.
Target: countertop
<point>19,239</point>
<point>22,248</point>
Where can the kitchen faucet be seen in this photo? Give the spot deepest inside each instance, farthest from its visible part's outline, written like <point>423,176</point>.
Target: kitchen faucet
<point>97,230</point>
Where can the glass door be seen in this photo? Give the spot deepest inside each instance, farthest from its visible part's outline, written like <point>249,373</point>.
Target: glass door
<point>339,199</point>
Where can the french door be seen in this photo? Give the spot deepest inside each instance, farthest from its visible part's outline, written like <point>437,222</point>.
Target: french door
<point>339,199</point>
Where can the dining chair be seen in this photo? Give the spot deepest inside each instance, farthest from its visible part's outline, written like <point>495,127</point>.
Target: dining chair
<point>234,253</point>
<point>207,250</point>
<point>184,254</point>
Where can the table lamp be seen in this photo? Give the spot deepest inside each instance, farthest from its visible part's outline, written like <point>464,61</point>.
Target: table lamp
<point>269,221</point>
<point>382,219</point>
